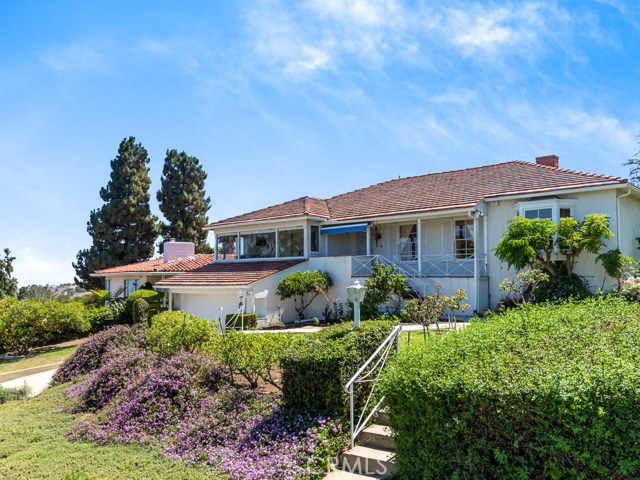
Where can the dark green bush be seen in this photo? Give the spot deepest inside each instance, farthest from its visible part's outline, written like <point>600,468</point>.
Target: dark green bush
<point>140,311</point>
<point>246,320</point>
<point>562,287</point>
<point>537,392</point>
<point>174,331</point>
<point>153,298</point>
<point>315,372</point>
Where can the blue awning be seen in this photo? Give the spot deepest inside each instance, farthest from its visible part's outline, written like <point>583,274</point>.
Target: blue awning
<point>359,227</point>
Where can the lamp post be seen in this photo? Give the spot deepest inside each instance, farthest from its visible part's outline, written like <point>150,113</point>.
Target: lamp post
<point>355,294</point>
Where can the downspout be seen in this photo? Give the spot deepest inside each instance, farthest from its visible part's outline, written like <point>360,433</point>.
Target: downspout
<point>476,277</point>
<point>618,216</point>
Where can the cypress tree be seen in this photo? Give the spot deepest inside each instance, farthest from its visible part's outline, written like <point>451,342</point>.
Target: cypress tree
<point>123,230</point>
<point>183,200</point>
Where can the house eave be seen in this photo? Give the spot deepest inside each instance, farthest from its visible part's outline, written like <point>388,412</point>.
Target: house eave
<point>564,190</point>
<point>270,221</point>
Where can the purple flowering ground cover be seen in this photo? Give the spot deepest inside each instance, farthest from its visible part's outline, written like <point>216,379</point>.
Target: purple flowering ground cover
<point>188,407</point>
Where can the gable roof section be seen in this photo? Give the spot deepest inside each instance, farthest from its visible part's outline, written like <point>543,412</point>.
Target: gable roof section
<point>157,265</point>
<point>300,207</point>
<point>432,192</point>
<point>220,274</point>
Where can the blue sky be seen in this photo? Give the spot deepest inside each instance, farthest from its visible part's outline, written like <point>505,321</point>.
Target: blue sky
<point>281,100</point>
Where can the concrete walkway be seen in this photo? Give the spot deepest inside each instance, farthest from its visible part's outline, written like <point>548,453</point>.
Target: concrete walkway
<point>37,381</point>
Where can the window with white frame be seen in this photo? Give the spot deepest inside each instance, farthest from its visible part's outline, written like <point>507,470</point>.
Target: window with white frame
<point>291,243</point>
<point>552,209</point>
<point>258,245</point>
<point>315,239</point>
<point>227,245</point>
<point>407,241</point>
<point>130,286</point>
<point>464,244</point>
<point>107,284</point>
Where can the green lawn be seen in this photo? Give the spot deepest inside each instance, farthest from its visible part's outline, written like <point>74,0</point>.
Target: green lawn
<point>33,446</point>
<point>36,359</point>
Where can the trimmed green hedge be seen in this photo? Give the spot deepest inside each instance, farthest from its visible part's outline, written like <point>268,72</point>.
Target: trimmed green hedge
<point>539,392</point>
<point>174,331</point>
<point>246,320</point>
<point>315,372</point>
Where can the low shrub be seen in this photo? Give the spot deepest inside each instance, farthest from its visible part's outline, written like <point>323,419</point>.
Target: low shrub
<point>117,370</point>
<point>315,372</point>
<point>153,400</point>
<point>140,311</point>
<point>174,331</point>
<point>90,355</point>
<point>29,323</point>
<point>14,393</point>
<point>252,356</point>
<point>542,391</point>
<point>562,287</point>
<point>244,321</point>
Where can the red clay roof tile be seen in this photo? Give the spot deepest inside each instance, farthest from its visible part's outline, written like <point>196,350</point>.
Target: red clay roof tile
<point>431,192</point>
<point>228,273</point>
<point>157,265</point>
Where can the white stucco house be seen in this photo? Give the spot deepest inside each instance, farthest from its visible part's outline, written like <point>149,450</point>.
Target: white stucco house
<point>437,228</point>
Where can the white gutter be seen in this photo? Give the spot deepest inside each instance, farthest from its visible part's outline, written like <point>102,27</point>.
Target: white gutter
<point>618,216</point>
<point>554,191</point>
<point>226,226</point>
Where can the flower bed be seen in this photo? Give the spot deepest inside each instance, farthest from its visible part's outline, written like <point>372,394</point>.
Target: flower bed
<point>188,405</point>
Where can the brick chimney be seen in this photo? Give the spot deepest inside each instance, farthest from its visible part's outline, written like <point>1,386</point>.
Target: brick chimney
<point>176,250</point>
<point>548,160</point>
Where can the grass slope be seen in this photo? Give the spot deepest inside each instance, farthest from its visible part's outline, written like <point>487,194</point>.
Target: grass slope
<point>36,359</point>
<point>33,446</point>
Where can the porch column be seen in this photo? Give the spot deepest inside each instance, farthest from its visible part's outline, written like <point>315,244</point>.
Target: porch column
<point>368,240</point>
<point>419,240</point>
<point>170,300</point>
<point>305,240</point>
<point>476,264</point>
<point>215,246</point>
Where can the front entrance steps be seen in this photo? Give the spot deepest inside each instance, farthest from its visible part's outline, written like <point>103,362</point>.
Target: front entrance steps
<point>373,457</point>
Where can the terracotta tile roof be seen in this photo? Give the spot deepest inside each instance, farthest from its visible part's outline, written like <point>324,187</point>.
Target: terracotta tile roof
<point>300,207</point>
<point>157,265</point>
<point>228,273</point>
<point>435,191</point>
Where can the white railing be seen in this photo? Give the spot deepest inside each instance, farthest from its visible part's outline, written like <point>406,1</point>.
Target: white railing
<point>450,266</point>
<point>361,266</point>
<point>427,266</point>
<point>369,373</point>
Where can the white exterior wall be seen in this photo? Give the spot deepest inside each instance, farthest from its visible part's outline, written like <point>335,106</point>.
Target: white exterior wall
<point>629,229</point>
<point>603,201</point>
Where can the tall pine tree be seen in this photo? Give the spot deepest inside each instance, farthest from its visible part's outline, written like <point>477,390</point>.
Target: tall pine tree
<point>123,230</point>
<point>183,200</point>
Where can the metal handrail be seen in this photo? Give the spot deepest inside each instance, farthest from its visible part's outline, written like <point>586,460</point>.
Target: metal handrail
<point>361,377</point>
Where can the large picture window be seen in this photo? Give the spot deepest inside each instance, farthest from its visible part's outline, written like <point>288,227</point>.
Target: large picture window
<point>291,243</point>
<point>464,242</point>
<point>551,209</point>
<point>258,245</point>
<point>408,235</point>
<point>539,213</point>
<point>227,245</point>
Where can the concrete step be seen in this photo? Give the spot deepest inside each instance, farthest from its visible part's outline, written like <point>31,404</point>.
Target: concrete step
<point>368,461</point>
<point>377,436</point>
<point>382,417</point>
<point>342,475</point>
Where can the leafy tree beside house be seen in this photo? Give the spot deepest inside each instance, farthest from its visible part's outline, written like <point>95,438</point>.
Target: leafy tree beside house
<point>553,248</point>
<point>8,284</point>
<point>304,287</point>
<point>183,200</point>
<point>123,230</point>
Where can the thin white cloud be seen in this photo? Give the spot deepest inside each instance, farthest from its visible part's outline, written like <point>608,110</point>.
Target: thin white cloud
<point>77,57</point>
<point>187,54</point>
